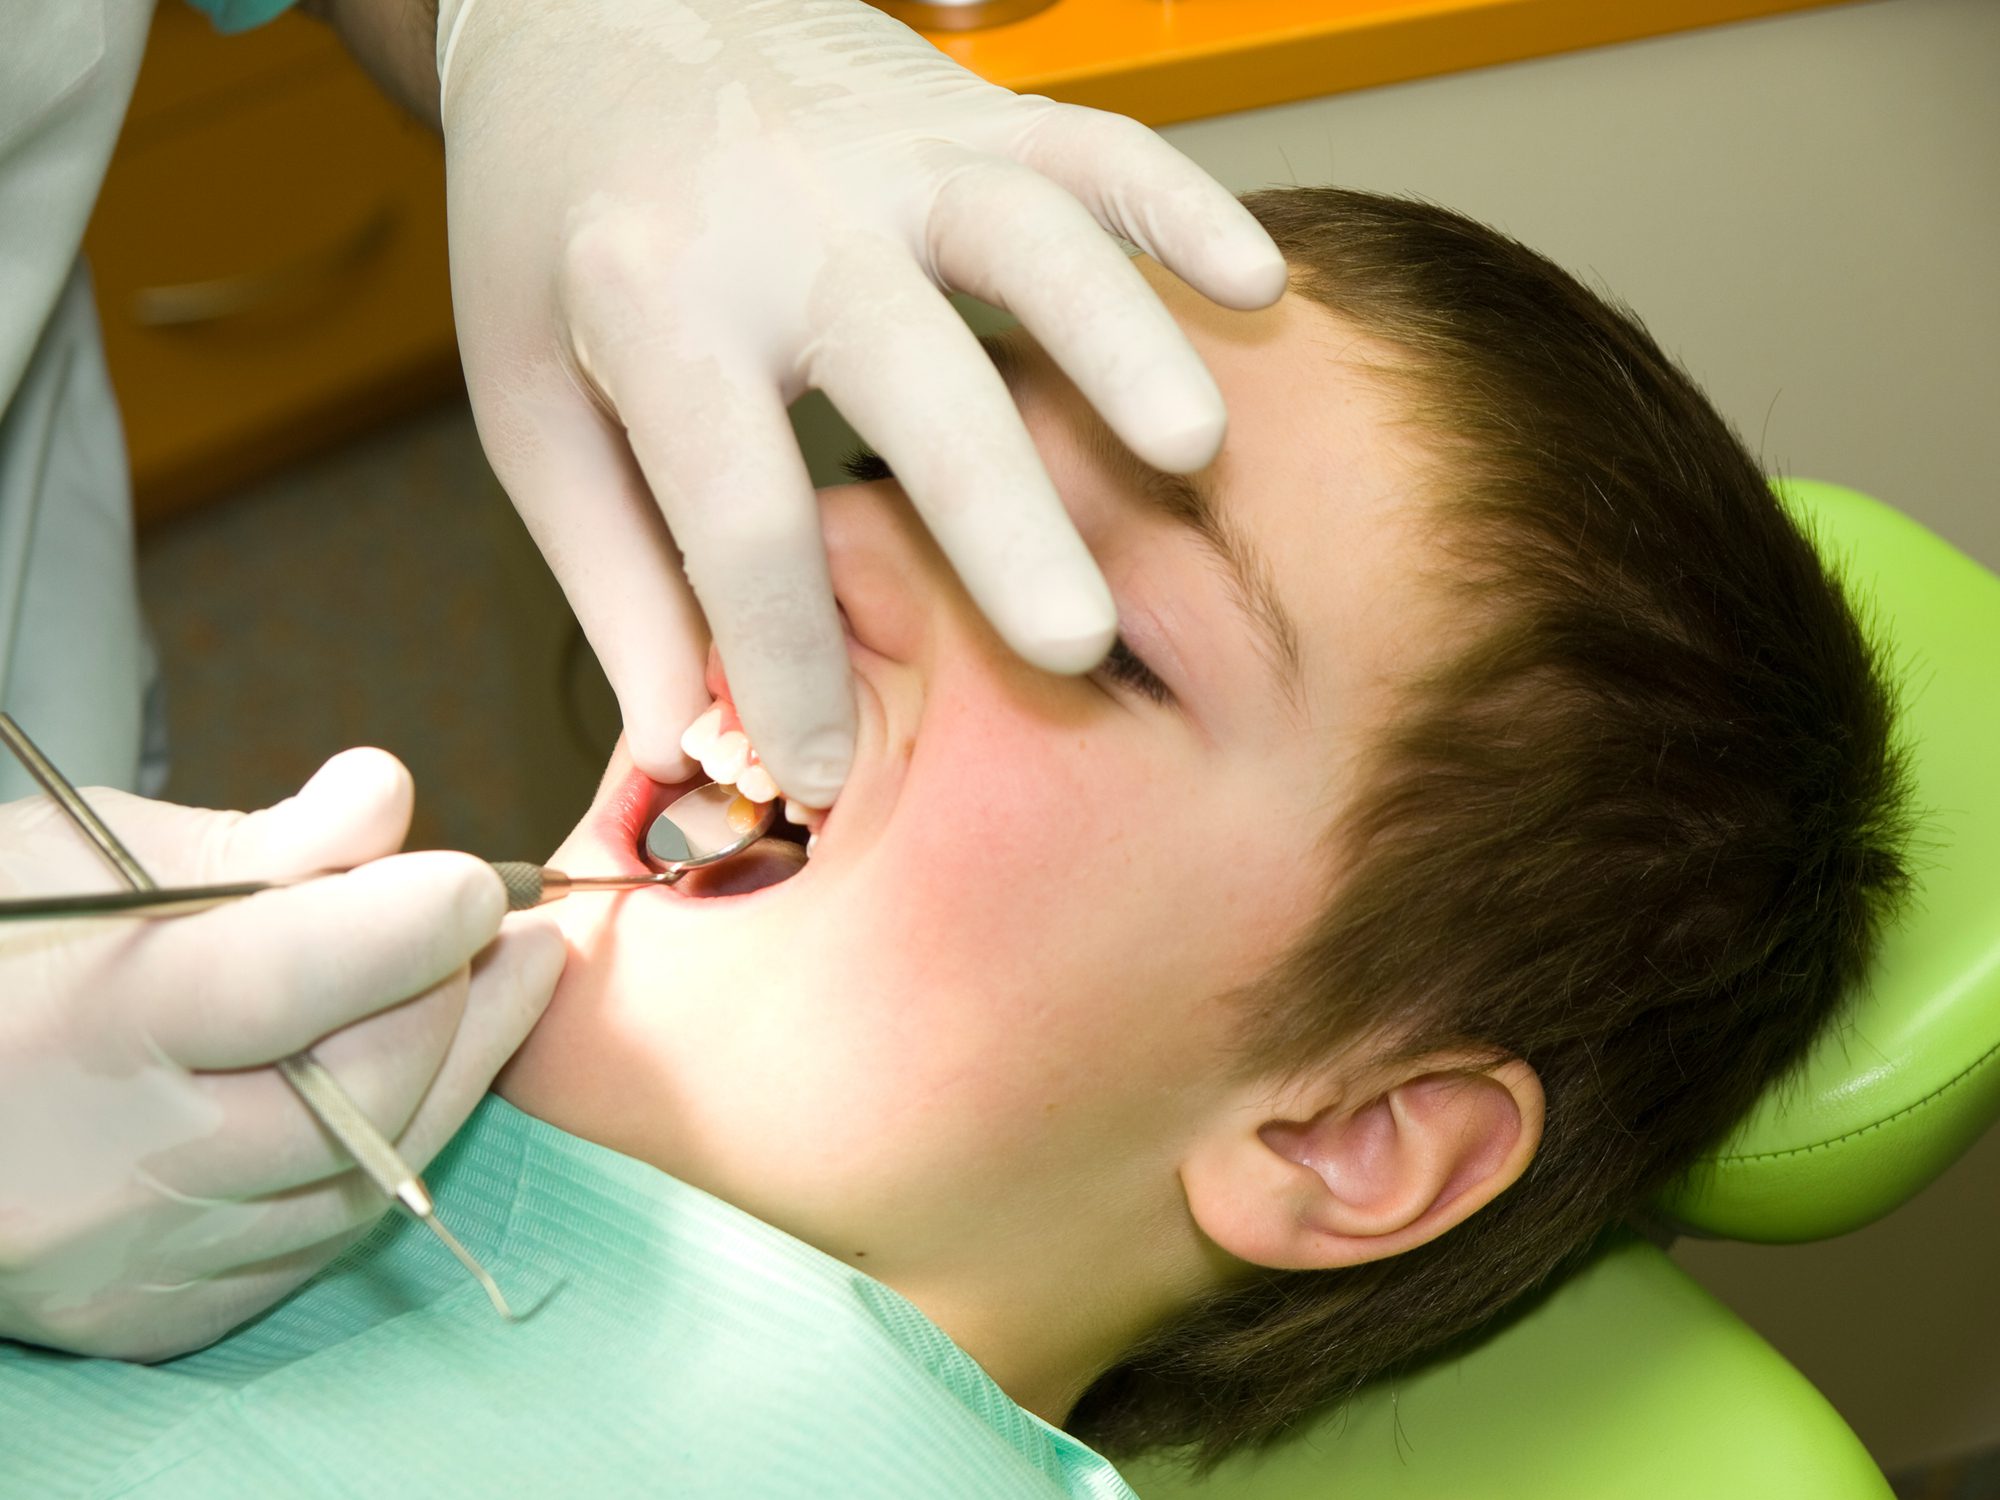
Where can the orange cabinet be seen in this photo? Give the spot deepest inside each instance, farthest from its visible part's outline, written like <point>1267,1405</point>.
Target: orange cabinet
<point>269,253</point>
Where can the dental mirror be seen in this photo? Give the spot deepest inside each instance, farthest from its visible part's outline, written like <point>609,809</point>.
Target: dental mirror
<point>706,826</point>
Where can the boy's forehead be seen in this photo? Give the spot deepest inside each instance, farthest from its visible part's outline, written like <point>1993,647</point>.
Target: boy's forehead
<point>1320,474</point>
<point>1315,439</point>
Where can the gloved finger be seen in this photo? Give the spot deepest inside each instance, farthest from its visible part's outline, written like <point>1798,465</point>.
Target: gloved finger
<point>245,984</point>
<point>587,505</point>
<point>215,1304</point>
<point>355,808</point>
<point>1140,187</point>
<point>247,1241</point>
<point>905,370</point>
<point>511,984</point>
<point>159,1319</point>
<point>720,456</point>
<point>265,1141</point>
<point>510,988</point>
<point>216,1241</point>
<point>1011,237</point>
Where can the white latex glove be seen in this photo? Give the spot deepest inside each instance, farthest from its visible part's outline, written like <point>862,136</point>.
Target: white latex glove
<point>669,218</point>
<point>158,1183</point>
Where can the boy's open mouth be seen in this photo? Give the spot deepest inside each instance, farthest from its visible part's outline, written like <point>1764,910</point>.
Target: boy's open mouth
<point>772,860</point>
<point>717,741</point>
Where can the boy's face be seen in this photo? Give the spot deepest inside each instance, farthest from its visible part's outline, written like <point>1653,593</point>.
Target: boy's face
<point>990,1012</point>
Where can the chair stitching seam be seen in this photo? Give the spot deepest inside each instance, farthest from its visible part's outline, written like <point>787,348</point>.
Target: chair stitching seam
<point>1840,1140</point>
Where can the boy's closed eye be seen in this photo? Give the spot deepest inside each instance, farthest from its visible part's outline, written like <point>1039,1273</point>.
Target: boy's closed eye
<point>865,466</point>
<point>1122,665</point>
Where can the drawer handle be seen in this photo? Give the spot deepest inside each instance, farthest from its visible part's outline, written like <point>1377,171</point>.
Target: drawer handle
<point>960,15</point>
<point>226,296</point>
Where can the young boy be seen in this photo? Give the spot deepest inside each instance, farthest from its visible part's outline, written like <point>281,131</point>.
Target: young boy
<point>1490,794</point>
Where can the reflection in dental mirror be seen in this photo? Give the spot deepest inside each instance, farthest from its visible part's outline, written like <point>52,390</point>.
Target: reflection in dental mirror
<point>705,825</point>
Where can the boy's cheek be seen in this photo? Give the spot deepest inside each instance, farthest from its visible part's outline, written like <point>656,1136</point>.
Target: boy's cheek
<point>1004,827</point>
<point>1016,901</point>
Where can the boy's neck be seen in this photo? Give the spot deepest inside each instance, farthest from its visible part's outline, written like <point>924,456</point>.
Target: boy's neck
<point>1045,1325</point>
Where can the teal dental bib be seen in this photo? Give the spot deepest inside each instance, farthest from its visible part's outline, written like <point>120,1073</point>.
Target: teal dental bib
<point>670,1345</point>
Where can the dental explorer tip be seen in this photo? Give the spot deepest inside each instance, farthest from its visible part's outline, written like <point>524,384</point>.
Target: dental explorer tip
<point>466,1259</point>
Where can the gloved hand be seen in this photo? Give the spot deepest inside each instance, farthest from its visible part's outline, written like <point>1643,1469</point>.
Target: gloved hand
<point>669,218</point>
<point>158,1183</point>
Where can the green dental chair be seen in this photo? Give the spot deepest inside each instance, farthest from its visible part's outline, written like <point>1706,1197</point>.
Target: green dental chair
<point>1629,1382</point>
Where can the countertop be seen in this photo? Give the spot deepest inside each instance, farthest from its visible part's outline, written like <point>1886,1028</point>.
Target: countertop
<point>1168,60</point>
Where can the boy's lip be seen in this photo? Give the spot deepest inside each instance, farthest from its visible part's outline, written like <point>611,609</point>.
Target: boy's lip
<point>625,816</point>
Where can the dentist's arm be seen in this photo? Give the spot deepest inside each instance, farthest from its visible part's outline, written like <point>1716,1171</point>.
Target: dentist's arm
<point>159,1182</point>
<point>669,218</point>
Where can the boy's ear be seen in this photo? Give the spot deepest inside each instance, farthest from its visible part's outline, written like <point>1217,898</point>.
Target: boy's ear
<point>1356,1175</point>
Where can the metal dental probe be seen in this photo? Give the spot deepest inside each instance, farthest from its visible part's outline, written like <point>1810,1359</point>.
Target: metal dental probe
<point>703,827</point>
<point>318,1088</point>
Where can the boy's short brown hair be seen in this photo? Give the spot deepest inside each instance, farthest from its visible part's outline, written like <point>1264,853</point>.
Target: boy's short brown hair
<point>1642,834</point>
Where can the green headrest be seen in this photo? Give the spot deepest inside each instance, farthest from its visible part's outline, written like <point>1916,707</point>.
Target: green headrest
<point>1890,1098</point>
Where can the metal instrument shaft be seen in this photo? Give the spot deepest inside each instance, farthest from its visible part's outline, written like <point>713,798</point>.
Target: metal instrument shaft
<point>528,885</point>
<point>703,827</point>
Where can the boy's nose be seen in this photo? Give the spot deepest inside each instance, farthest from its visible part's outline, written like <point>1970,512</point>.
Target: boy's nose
<point>897,589</point>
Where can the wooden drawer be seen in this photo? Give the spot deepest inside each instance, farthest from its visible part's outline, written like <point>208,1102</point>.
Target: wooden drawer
<point>271,274</point>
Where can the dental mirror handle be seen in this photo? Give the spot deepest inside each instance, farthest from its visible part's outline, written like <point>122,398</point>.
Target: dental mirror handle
<point>531,885</point>
<point>528,885</point>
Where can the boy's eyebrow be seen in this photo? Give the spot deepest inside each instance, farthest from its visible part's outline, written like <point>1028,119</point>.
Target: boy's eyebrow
<point>1189,500</point>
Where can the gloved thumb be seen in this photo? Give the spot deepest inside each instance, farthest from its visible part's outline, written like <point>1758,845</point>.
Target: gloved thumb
<point>285,967</point>
<point>355,808</point>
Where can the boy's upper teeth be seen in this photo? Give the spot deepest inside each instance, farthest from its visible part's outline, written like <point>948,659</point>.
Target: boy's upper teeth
<point>699,738</point>
<point>755,783</point>
<point>727,755</point>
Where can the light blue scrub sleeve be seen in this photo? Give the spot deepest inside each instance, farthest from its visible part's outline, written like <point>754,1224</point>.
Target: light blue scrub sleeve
<point>240,15</point>
<point>670,1344</point>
